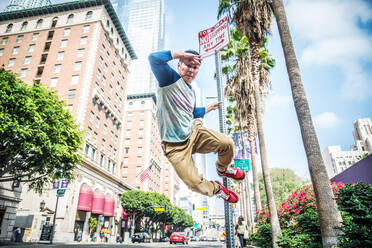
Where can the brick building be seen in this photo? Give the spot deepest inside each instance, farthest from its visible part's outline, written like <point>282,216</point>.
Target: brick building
<point>142,149</point>
<point>80,50</point>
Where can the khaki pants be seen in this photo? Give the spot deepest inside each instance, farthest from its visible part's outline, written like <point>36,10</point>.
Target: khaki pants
<point>202,140</point>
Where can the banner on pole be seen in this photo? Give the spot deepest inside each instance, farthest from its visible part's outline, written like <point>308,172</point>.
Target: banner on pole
<point>213,39</point>
<point>238,145</point>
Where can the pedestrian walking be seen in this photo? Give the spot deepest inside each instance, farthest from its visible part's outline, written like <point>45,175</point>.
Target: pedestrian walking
<point>18,233</point>
<point>181,132</point>
<point>241,231</point>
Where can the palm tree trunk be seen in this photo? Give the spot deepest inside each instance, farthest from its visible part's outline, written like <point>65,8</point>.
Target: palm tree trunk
<point>257,197</point>
<point>246,192</point>
<point>329,216</point>
<point>274,221</point>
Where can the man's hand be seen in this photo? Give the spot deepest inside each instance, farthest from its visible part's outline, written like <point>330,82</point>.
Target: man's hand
<point>188,58</point>
<point>212,106</point>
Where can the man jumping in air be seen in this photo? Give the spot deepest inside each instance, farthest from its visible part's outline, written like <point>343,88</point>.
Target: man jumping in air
<point>181,135</point>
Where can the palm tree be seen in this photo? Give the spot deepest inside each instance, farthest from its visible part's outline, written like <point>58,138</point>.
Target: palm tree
<point>234,119</point>
<point>242,111</point>
<point>253,18</point>
<point>329,216</point>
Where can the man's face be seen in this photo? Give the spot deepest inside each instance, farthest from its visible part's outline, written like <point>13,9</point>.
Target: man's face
<point>188,70</point>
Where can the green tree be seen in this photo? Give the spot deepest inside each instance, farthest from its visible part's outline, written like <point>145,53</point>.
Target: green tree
<point>39,139</point>
<point>329,215</point>
<point>283,181</point>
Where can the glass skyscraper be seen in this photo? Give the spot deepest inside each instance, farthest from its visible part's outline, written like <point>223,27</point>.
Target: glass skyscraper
<point>26,4</point>
<point>144,23</point>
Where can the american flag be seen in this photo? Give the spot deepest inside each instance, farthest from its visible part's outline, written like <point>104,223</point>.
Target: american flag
<point>145,174</point>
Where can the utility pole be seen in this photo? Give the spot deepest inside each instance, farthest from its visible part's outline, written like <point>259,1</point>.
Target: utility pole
<point>226,182</point>
<point>54,221</point>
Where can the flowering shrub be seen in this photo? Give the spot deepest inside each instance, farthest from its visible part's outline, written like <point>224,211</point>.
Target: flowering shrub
<point>298,217</point>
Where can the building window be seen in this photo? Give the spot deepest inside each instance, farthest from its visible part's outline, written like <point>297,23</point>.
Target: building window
<point>9,28</point>
<point>54,22</point>
<point>100,60</point>
<point>86,29</point>
<point>40,70</point>
<point>4,41</point>
<point>86,149</point>
<point>126,150</point>
<point>125,170</point>
<point>70,18</point>
<point>127,142</point>
<point>47,46</point>
<point>129,123</point>
<point>140,149</point>
<point>140,141</point>
<point>64,43</point>
<point>130,114</point>
<point>74,79</point>
<point>34,36</point>
<point>77,66</point>
<point>128,133</point>
<point>101,160</point>
<point>126,160</point>
<point>91,119</point>
<point>97,122</point>
<point>71,94</point>
<point>19,38</point>
<point>141,123</point>
<point>103,144</point>
<point>138,169</point>
<point>60,55</point>
<point>83,40</point>
<point>24,26</point>
<point>103,48</point>
<point>80,52</point>
<point>27,60</point>
<point>105,67</point>
<point>31,48</point>
<point>110,89</point>
<point>104,129</point>
<point>23,72</point>
<point>11,62</point>
<point>15,50</point>
<point>89,15</point>
<point>99,73</point>
<point>104,37</point>
<point>39,23</point>
<point>57,68</point>
<point>66,31</point>
<point>1,51</point>
<point>140,132</point>
<point>103,80</point>
<point>53,82</point>
<point>93,154</point>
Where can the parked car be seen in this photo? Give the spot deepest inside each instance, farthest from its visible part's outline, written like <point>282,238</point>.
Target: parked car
<point>141,237</point>
<point>203,238</point>
<point>164,239</point>
<point>194,238</point>
<point>178,237</point>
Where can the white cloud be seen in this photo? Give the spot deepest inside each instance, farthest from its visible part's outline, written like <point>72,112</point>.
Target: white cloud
<point>326,120</point>
<point>332,36</point>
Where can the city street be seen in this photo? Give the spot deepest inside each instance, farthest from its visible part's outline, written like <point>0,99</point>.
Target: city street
<point>147,245</point>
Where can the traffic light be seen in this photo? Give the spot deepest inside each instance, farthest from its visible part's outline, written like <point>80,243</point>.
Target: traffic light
<point>166,207</point>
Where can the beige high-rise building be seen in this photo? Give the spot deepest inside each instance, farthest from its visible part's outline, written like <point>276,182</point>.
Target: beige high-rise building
<point>336,160</point>
<point>142,149</point>
<point>80,50</point>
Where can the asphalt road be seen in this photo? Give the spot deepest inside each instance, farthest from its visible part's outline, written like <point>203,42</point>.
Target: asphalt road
<point>150,245</point>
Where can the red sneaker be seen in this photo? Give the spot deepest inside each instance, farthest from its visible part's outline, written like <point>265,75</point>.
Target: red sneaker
<point>234,173</point>
<point>226,194</point>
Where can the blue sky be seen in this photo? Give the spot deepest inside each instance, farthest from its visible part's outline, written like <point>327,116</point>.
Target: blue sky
<point>333,42</point>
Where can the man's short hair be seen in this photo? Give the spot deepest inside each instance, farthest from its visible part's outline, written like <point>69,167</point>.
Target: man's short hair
<point>190,51</point>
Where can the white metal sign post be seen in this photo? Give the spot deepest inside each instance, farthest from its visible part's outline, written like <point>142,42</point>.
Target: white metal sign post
<point>215,38</point>
<point>211,41</point>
